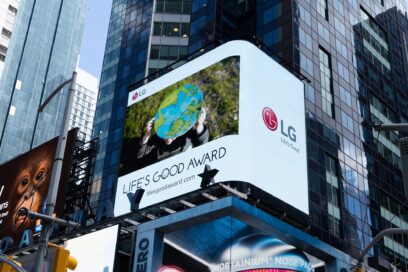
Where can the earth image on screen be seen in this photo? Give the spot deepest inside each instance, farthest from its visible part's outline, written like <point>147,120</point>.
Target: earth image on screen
<point>178,112</point>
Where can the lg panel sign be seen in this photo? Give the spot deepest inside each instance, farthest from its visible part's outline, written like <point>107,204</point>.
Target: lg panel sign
<point>233,109</point>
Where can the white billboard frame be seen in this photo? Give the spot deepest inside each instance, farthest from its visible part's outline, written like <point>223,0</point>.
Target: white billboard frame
<point>268,152</point>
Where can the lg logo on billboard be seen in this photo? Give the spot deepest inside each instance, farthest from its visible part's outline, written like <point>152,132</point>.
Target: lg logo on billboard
<point>138,94</point>
<point>271,122</point>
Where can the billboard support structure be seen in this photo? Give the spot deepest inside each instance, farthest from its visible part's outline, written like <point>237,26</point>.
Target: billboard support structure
<point>151,235</point>
<point>56,168</point>
<point>49,219</point>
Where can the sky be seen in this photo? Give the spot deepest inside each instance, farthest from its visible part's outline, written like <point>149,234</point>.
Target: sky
<point>94,39</point>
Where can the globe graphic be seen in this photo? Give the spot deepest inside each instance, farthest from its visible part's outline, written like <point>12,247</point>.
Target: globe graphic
<point>178,112</point>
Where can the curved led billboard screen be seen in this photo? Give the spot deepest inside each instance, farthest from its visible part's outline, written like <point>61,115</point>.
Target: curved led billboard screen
<point>233,114</point>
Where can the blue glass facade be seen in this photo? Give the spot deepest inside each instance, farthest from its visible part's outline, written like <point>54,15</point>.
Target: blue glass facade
<point>43,53</point>
<point>124,63</point>
<point>353,53</point>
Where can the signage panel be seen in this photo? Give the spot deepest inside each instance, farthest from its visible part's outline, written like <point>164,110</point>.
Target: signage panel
<point>24,183</point>
<point>233,114</point>
<point>95,251</point>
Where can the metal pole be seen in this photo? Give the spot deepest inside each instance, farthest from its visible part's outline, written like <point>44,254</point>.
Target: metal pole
<point>375,240</point>
<point>49,219</point>
<point>391,127</point>
<point>55,177</point>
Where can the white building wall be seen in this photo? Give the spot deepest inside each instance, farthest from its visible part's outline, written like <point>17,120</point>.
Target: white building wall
<point>83,108</point>
<point>8,13</point>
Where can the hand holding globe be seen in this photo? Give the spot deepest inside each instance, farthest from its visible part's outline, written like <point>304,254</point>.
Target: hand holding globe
<point>178,113</point>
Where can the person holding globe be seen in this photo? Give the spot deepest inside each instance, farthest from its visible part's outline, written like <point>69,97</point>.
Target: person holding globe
<point>177,126</point>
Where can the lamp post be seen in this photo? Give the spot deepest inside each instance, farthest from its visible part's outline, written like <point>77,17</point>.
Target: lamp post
<point>376,239</point>
<point>56,169</point>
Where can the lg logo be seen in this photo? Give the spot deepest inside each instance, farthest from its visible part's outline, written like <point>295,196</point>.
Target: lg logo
<point>138,94</point>
<point>270,119</point>
<point>271,122</point>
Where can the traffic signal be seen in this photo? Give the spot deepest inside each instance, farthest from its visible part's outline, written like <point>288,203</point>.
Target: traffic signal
<point>63,261</point>
<point>4,267</point>
<point>360,269</point>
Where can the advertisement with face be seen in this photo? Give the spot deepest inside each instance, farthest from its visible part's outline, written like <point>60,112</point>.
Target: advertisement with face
<point>233,112</point>
<point>24,183</point>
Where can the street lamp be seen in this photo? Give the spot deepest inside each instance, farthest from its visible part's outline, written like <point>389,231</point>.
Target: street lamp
<point>56,169</point>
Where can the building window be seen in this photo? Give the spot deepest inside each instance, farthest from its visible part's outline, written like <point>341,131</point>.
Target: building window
<point>3,49</point>
<point>305,39</point>
<point>345,96</point>
<point>326,82</point>
<point>309,93</point>
<point>305,15</point>
<point>273,37</point>
<point>154,51</point>
<point>171,29</point>
<point>173,6</point>
<point>347,121</point>
<point>306,64</point>
<point>6,33</point>
<point>349,148</point>
<point>12,111</point>
<point>338,5</point>
<point>343,71</point>
<point>341,48</point>
<point>332,186</point>
<point>12,9</point>
<point>340,26</point>
<point>198,4</point>
<point>272,13</point>
<point>168,52</point>
<point>323,32</point>
<point>322,8</point>
<point>19,83</point>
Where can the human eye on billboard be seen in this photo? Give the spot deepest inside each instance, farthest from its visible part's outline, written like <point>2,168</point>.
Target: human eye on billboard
<point>191,112</point>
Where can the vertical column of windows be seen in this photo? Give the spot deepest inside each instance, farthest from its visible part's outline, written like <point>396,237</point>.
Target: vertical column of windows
<point>386,143</point>
<point>332,185</point>
<point>326,82</point>
<point>375,43</point>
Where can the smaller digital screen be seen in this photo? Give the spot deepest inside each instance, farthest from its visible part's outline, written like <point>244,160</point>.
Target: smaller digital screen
<point>95,251</point>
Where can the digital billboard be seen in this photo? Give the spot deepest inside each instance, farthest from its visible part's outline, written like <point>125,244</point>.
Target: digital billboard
<point>95,251</point>
<point>238,248</point>
<point>233,113</point>
<point>24,183</point>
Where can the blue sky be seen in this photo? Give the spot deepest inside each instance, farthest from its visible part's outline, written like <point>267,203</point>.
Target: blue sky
<point>94,39</point>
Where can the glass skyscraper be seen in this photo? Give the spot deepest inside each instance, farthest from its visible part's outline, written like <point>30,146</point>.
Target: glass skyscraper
<point>43,52</point>
<point>353,58</point>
